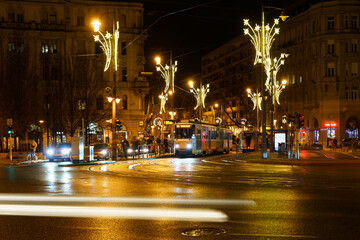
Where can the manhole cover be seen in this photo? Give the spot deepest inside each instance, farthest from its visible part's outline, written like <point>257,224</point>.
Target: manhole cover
<point>198,232</point>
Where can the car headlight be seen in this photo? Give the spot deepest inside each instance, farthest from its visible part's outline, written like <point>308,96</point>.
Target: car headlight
<point>145,150</point>
<point>177,145</point>
<point>188,145</point>
<point>65,151</point>
<point>103,152</point>
<point>130,150</point>
<point>50,152</point>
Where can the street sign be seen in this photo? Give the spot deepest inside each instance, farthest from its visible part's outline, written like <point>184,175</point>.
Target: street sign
<point>169,122</point>
<point>141,123</point>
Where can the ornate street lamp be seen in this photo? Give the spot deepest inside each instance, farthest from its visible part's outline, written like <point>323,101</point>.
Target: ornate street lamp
<point>109,44</point>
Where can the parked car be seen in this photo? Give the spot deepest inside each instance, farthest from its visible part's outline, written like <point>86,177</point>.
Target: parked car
<point>102,151</point>
<point>62,151</point>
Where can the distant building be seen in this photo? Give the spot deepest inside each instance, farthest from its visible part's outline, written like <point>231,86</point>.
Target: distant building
<point>323,69</point>
<point>230,70</point>
<point>54,42</point>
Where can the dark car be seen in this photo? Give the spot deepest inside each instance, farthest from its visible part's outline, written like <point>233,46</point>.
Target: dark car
<point>102,151</point>
<point>62,151</point>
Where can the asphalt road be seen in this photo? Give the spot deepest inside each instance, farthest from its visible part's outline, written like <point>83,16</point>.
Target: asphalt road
<point>261,201</point>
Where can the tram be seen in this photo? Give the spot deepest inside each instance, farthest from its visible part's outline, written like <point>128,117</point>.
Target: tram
<point>195,138</point>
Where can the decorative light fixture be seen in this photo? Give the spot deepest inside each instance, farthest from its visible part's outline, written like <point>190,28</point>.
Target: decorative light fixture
<point>262,37</point>
<point>106,43</point>
<point>255,98</point>
<point>199,93</point>
<point>163,98</point>
<point>168,73</point>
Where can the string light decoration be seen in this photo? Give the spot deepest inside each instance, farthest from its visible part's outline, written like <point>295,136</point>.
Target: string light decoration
<point>168,73</point>
<point>163,98</point>
<point>262,37</point>
<point>255,98</point>
<point>199,93</point>
<point>106,43</point>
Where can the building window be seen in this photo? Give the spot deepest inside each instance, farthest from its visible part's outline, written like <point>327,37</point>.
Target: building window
<point>331,47</point>
<point>53,19</point>
<point>346,22</point>
<point>233,103</point>
<point>331,23</point>
<point>354,20</point>
<point>81,47</point>
<point>80,20</point>
<point>45,48</point>
<point>98,49</point>
<point>124,74</point>
<point>354,93</point>
<point>99,103</point>
<point>346,47</point>
<point>53,48</point>
<point>300,79</point>
<point>46,73</point>
<point>11,17</point>
<point>346,93</point>
<point>82,104</point>
<point>293,79</point>
<point>20,18</point>
<point>354,69</point>
<point>123,21</point>
<point>354,46</point>
<point>123,48</point>
<point>11,47</point>
<point>54,73</point>
<point>331,70</point>
<point>124,102</point>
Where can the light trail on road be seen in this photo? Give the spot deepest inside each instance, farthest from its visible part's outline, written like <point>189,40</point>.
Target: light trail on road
<point>138,200</point>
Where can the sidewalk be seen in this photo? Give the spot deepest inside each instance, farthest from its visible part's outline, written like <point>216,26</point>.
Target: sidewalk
<point>275,158</point>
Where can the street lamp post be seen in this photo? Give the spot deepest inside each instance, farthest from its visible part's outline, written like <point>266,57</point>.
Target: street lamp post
<point>262,37</point>
<point>109,44</point>
<point>200,95</point>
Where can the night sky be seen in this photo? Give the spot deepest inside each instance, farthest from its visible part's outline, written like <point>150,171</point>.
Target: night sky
<point>192,33</point>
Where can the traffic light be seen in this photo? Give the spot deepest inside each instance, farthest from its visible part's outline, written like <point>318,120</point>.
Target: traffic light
<point>10,130</point>
<point>301,120</point>
<point>118,125</point>
<point>291,118</point>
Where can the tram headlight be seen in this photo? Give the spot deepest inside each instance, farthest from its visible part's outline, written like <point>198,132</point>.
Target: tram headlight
<point>177,145</point>
<point>188,145</point>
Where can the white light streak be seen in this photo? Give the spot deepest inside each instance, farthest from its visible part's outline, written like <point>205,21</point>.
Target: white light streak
<point>174,214</point>
<point>141,200</point>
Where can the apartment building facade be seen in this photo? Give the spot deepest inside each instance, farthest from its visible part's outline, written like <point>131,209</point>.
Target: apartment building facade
<point>53,42</point>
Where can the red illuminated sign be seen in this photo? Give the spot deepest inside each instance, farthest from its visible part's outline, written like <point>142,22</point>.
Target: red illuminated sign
<point>330,124</point>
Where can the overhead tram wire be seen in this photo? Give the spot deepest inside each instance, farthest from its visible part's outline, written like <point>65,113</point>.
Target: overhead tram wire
<point>157,20</point>
<point>166,15</point>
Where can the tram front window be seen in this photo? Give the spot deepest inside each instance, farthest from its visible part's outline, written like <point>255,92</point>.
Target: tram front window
<point>184,132</point>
